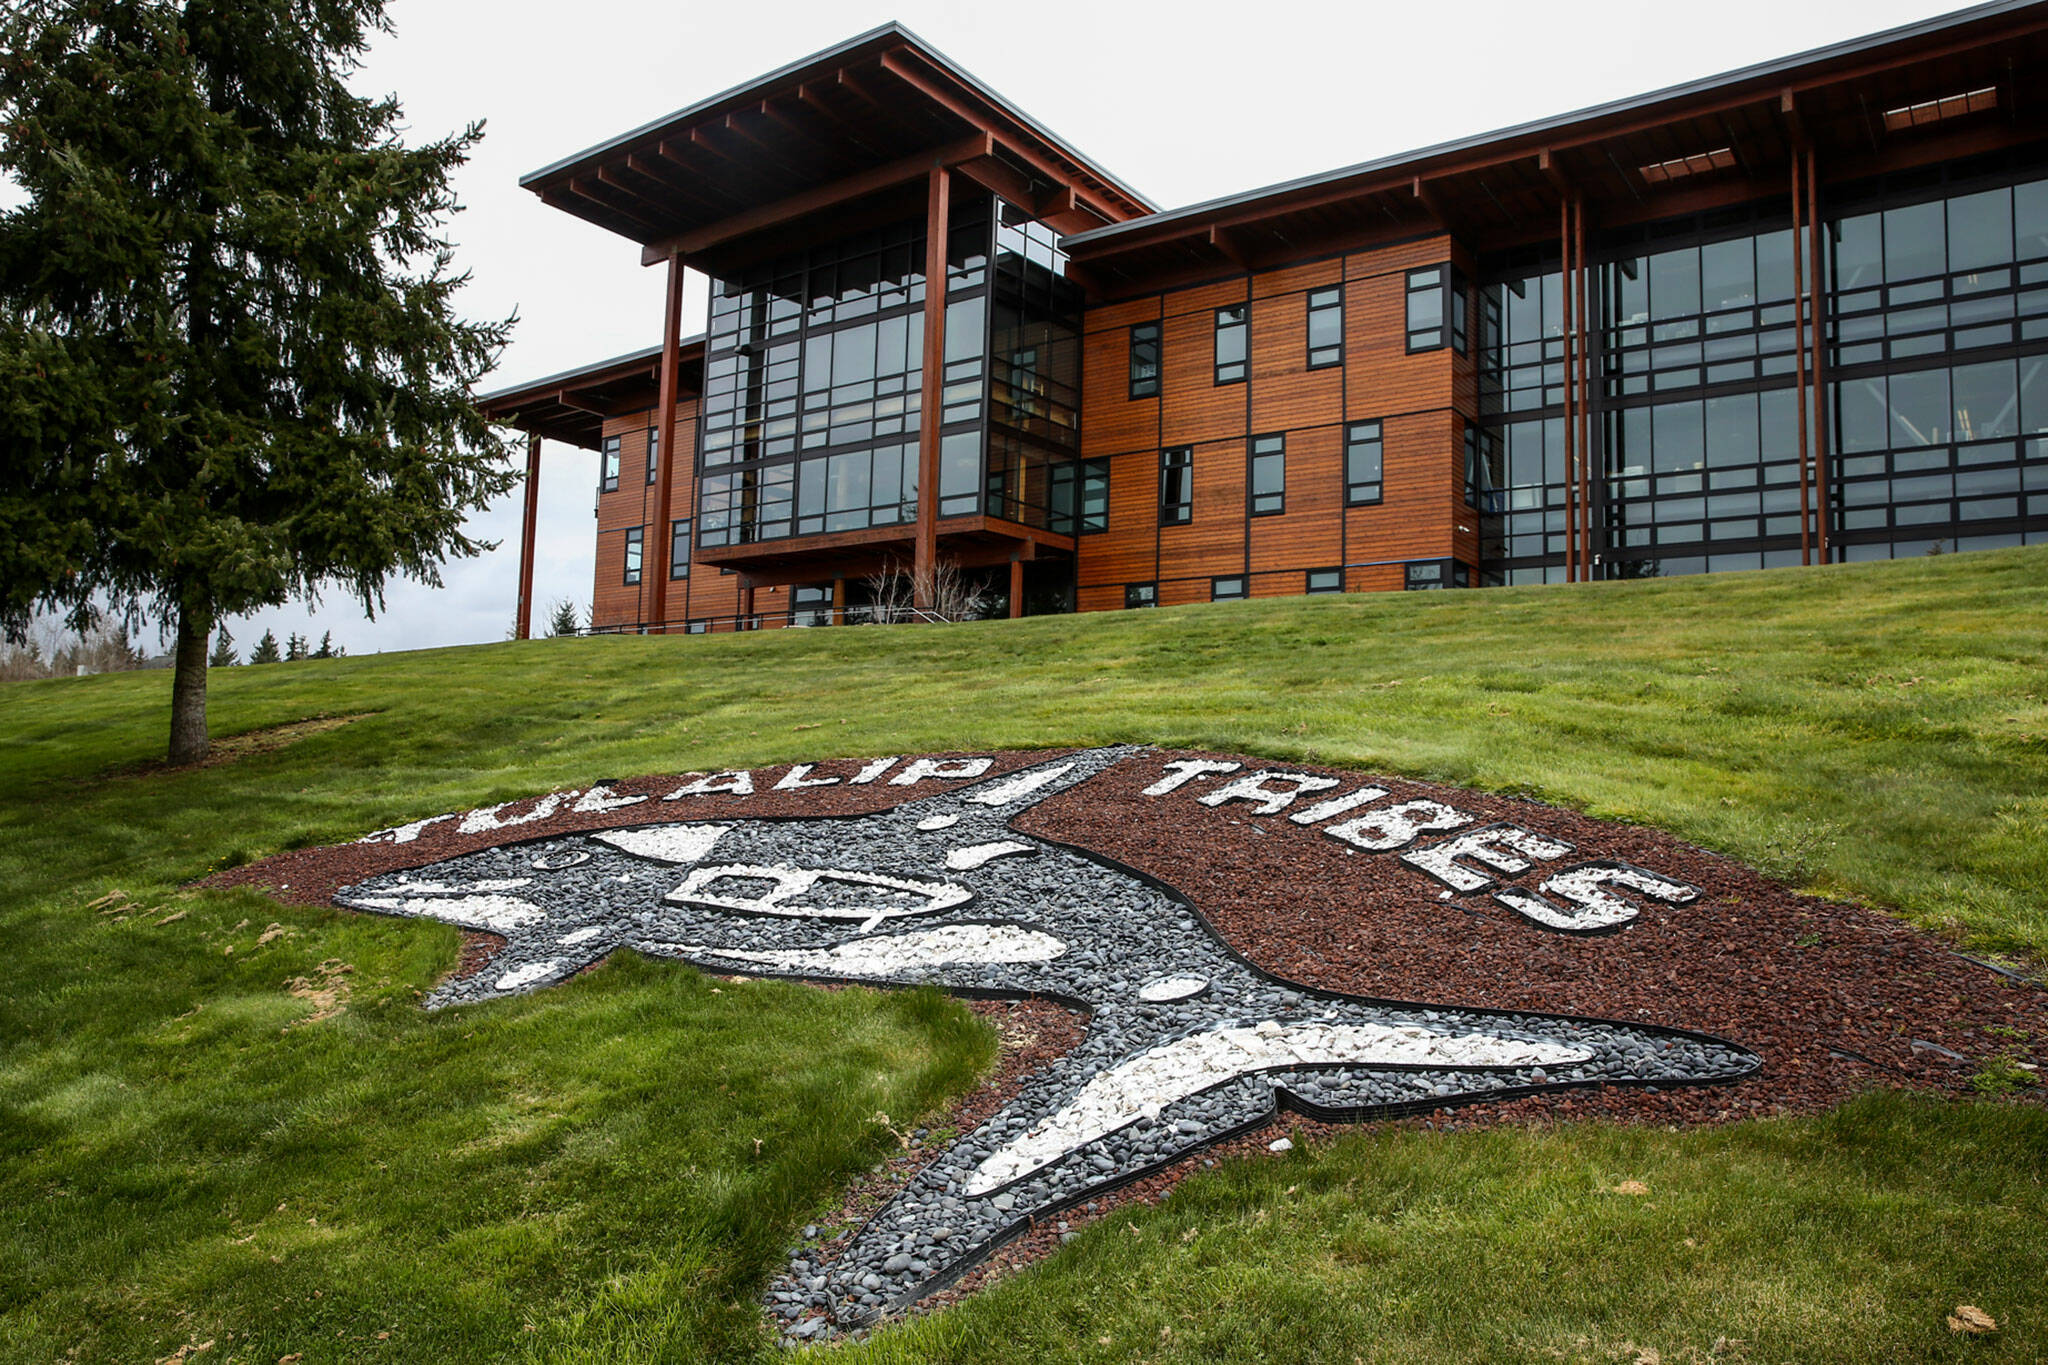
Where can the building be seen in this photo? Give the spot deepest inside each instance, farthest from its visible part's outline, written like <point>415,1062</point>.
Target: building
<point>1605,345</point>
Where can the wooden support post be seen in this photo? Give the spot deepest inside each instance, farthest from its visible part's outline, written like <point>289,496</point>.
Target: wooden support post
<point>746,604</point>
<point>838,601</point>
<point>527,526</point>
<point>1571,458</point>
<point>665,432</point>
<point>1817,288</point>
<point>1585,377</point>
<point>1799,348</point>
<point>1016,589</point>
<point>925,566</point>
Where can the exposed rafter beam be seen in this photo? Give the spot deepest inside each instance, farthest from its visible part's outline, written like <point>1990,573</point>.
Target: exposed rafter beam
<point>851,187</point>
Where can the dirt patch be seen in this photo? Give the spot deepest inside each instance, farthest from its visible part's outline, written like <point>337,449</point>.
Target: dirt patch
<point>326,990</point>
<point>233,748</point>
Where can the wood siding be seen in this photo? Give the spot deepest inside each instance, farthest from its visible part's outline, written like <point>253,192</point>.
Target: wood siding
<point>1423,402</point>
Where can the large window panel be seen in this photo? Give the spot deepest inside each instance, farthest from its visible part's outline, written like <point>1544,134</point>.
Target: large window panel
<point>1858,251</point>
<point>1919,408</point>
<point>1728,274</point>
<point>1675,283</point>
<point>1980,230</point>
<point>1914,242</point>
<point>1986,399</point>
<point>1731,431</point>
<point>1677,437</point>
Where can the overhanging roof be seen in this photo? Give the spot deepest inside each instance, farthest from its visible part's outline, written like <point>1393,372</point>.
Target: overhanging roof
<point>1505,185</point>
<point>571,406</point>
<point>869,114</point>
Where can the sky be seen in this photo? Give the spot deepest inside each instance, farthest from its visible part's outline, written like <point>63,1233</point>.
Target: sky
<point>1183,103</point>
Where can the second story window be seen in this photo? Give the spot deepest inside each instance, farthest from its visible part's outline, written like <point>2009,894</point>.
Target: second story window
<point>608,468</point>
<point>1094,517</point>
<point>1269,475</point>
<point>1230,344</point>
<point>653,456</point>
<point>1176,486</point>
<point>679,548</point>
<point>1145,360</point>
<point>1326,327</point>
<point>1426,308</point>
<point>1438,312</point>
<point>633,548</point>
<point>1363,461</point>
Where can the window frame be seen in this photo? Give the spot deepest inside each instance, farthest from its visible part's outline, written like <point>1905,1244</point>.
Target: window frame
<point>1138,596</point>
<point>1333,356</point>
<point>633,563</point>
<point>1308,580</point>
<point>1085,472</point>
<point>1453,310</point>
<point>679,529</point>
<point>1243,326</point>
<point>1244,587</point>
<point>653,455</point>
<point>1252,497</point>
<point>1182,512</point>
<point>1146,386</point>
<point>1378,485</point>
<point>610,463</point>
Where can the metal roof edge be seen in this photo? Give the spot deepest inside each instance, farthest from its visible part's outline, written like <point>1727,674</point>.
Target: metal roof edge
<point>566,377</point>
<point>1558,122</point>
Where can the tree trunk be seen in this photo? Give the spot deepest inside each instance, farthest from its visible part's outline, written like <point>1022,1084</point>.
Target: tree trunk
<point>188,687</point>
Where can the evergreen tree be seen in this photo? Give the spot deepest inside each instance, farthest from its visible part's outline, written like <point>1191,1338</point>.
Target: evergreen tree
<point>295,647</point>
<point>230,368</point>
<point>563,622</point>
<point>265,651</point>
<point>327,648</point>
<point>223,651</point>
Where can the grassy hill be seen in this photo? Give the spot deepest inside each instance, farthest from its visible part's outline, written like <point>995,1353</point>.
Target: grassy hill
<point>610,1170</point>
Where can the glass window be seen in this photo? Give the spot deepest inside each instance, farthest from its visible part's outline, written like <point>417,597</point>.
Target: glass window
<point>608,468</point>
<point>1676,442</point>
<point>1230,344</point>
<point>1269,475</point>
<point>810,604</point>
<point>1145,360</point>
<point>1914,242</point>
<point>1324,580</point>
<point>1176,486</point>
<point>653,455</point>
<point>1094,497</point>
<point>1728,274</point>
<point>1980,230</point>
<point>959,473</point>
<point>1919,409</point>
<point>1226,589</point>
<point>1141,595</point>
<point>1325,327</point>
<point>1426,308</point>
<point>1732,431</point>
<point>1858,251</point>
<point>1986,401</point>
<point>1362,463</point>
<point>1425,575</point>
<point>1675,283</point>
<point>2030,220</point>
<point>633,547</point>
<point>1460,321</point>
<point>679,548</point>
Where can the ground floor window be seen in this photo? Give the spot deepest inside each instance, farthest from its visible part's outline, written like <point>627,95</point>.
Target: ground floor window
<point>1227,589</point>
<point>1324,580</point>
<point>634,538</point>
<point>1141,594</point>
<point>810,604</point>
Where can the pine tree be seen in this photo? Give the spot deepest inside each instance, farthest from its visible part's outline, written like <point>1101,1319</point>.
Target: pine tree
<point>230,368</point>
<point>563,622</point>
<point>223,651</point>
<point>265,651</point>
<point>328,649</point>
<point>294,647</point>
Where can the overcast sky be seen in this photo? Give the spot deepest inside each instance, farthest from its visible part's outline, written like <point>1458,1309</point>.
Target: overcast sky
<point>1183,103</point>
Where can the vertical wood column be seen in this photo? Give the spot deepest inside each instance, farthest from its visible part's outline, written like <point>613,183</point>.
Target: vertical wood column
<point>1817,289</point>
<point>1585,382</point>
<point>1016,588</point>
<point>665,432</point>
<point>1799,296</point>
<point>1566,295</point>
<point>938,212</point>
<point>527,527</point>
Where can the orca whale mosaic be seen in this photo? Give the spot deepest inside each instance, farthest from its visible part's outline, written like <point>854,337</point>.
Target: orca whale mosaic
<point>1187,1042</point>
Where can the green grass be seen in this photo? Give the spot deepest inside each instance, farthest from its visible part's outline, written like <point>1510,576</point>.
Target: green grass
<point>576,1175</point>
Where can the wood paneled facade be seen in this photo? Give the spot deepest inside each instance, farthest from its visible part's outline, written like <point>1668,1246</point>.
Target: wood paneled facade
<point>1935,111</point>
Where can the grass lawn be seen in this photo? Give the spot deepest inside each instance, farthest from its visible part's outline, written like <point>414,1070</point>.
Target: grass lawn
<point>610,1170</point>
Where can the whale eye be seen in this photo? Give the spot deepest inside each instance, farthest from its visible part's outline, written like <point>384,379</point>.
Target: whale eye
<point>816,893</point>
<point>557,859</point>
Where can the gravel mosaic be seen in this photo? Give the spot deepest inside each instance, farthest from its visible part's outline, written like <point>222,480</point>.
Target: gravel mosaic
<point>1187,1044</point>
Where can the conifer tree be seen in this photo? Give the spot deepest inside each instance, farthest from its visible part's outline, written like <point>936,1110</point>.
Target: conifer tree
<point>327,649</point>
<point>223,651</point>
<point>563,622</point>
<point>265,651</point>
<point>231,372</point>
<point>294,647</point>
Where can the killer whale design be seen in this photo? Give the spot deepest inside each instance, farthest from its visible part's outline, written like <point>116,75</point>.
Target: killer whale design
<point>1187,1043</point>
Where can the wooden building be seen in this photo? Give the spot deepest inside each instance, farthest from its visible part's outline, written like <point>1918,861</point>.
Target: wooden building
<point>1797,313</point>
